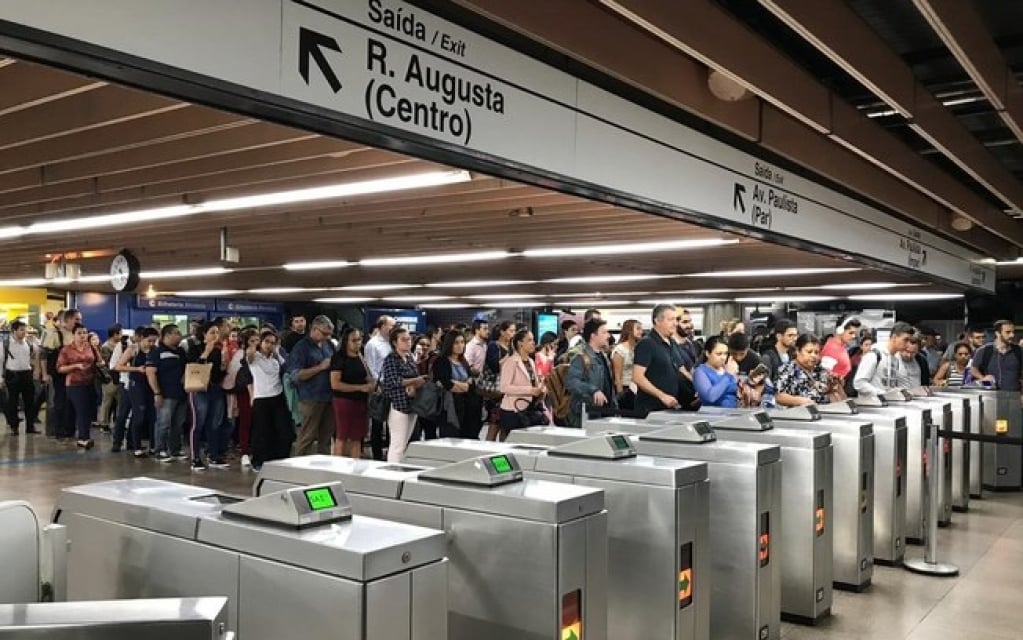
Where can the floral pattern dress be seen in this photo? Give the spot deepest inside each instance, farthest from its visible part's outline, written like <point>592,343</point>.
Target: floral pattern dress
<point>794,380</point>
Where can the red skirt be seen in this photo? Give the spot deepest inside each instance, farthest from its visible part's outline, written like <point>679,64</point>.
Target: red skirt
<point>351,419</point>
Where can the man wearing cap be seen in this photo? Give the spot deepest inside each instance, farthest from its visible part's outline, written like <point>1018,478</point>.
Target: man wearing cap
<point>309,368</point>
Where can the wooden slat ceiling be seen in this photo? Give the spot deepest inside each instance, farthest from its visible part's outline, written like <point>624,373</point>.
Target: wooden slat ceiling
<point>71,146</point>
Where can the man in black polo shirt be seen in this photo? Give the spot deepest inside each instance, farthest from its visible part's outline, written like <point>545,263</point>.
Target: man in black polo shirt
<point>658,364</point>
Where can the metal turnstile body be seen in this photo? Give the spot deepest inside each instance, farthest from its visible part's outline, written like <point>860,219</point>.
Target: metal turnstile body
<point>918,419</point>
<point>524,555</point>
<point>890,450</point>
<point>355,578</point>
<point>852,440</point>
<point>33,557</point>
<point>962,451</point>
<point>658,524</point>
<point>805,542</point>
<point>745,499</point>
<point>1003,416</point>
<point>953,412</point>
<point>152,619</point>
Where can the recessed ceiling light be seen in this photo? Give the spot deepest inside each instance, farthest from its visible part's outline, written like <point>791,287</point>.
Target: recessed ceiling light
<point>318,264</point>
<point>451,258</point>
<point>621,249</point>
<point>754,273</point>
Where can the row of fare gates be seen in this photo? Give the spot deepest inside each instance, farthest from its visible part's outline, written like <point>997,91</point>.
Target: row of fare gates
<point>684,526</point>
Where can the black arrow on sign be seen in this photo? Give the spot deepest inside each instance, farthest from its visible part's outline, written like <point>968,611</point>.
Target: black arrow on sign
<point>311,45</point>
<point>737,202</point>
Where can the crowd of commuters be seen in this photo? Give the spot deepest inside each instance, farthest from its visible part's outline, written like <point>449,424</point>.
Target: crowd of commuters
<point>311,389</point>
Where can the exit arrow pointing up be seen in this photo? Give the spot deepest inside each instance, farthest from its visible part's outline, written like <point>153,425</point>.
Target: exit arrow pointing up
<point>311,45</point>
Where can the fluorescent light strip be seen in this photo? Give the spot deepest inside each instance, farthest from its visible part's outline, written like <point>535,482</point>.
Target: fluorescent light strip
<point>609,278</point>
<point>1007,263</point>
<point>602,303</point>
<point>854,286</point>
<point>398,183</point>
<point>515,305</point>
<point>25,282</point>
<point>906,297</point>
<point>472,284</point>
<point>505,296</point>
<point>284,290</point>
<point>343,300</point>
<point>621,249</point>
<point>375,287</point>
<point>418,298</point>
<point>316,265</point>
<point>754,273</point>
<point>451,258</point>
<point>184,273</point>
<point>208,293</point>
<point>449,305</point>
<point>773,299</point>
<point>682,302</point>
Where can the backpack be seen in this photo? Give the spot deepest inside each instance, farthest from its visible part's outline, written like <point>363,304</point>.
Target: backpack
<point>558,394</point>
<point>988,353</point>
<point>243,378</point>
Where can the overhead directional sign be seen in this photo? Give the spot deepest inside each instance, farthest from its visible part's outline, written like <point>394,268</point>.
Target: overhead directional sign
<point>396,67</point>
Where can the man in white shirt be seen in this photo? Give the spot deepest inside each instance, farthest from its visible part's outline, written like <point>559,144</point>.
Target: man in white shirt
<point>882,370</point>
<point>476,350</point>
<point>19,371</point>
<point>377,349</point>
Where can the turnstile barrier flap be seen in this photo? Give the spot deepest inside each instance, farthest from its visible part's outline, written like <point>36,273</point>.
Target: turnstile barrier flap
<point>639,469</point>
<point>156,619</point>
<point>668,440</point>
<point>146,503</point>
<point>448,450</point>
<point>791,438</point>
<point>363,477</point>
<point>538,500</point>
<point>842,407</point>
<point>745,419</point>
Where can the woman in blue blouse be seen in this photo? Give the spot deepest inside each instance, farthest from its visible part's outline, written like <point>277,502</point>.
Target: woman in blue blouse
<point>716,384</point>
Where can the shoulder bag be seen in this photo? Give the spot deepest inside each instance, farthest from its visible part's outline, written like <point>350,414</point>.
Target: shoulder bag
<point>197,377</point>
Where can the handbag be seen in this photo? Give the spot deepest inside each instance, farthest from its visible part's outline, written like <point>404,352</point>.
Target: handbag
<point>533,415</point>
<point>102,373</point>
<point>378,405</point>
<point>488,384</point>
<point>197,376</point>
<point>428,402</point>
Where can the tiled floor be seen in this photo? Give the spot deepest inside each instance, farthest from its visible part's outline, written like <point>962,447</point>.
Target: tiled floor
<point>984,603</point>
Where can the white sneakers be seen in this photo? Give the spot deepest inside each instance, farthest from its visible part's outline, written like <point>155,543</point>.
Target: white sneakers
<point>246,462</point>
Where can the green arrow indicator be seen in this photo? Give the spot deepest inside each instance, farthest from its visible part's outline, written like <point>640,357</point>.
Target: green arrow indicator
<point>683,584</point>
<point>571,636</point>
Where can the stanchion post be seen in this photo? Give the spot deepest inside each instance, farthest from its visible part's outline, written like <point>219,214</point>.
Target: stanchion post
<point>935,467</point>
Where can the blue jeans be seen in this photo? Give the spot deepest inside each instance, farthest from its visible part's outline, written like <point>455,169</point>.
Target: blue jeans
<point>208,408</point>
<point>143,415</point>
<point>170,423</point>
<point>81,406</point>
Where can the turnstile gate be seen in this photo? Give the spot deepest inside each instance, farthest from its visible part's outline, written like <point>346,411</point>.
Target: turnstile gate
<point>528,557</point>
<point>658,524</point>
<point>292,564</point>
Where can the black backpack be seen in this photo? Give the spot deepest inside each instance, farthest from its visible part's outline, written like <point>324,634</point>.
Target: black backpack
<point>988,352</point>
<point>243,378</point>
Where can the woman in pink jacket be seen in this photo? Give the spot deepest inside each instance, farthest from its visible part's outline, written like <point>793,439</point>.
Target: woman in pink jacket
<point>519,382</point>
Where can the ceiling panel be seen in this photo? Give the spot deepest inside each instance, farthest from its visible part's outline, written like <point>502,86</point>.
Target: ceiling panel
<point>71,147</point>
